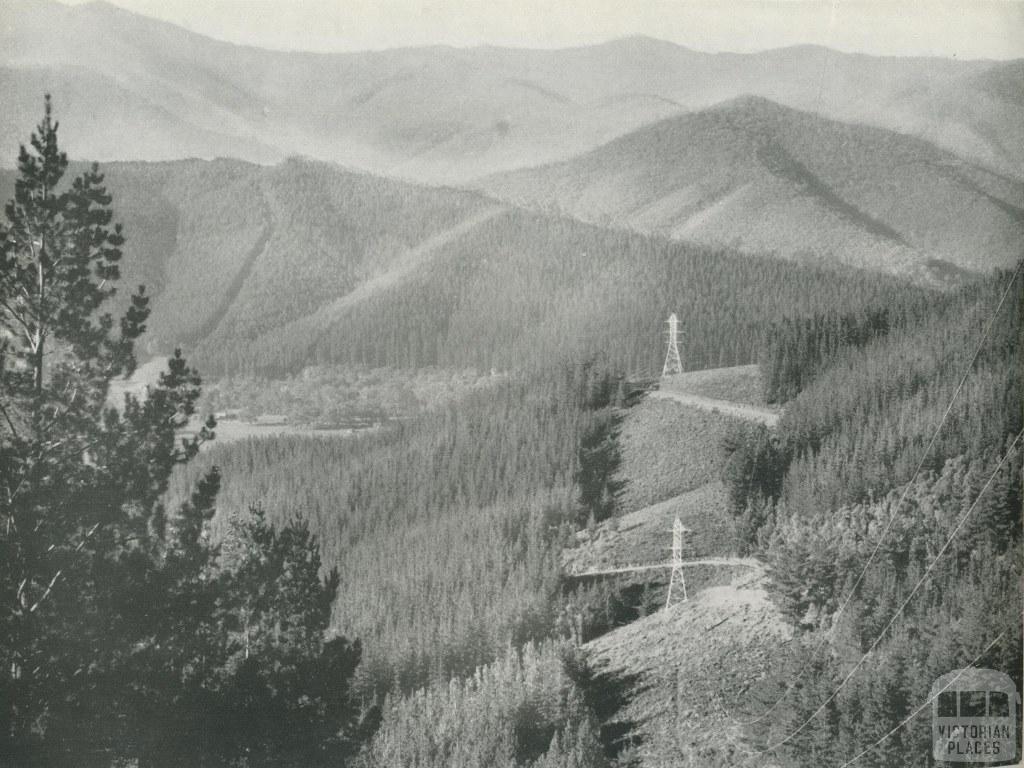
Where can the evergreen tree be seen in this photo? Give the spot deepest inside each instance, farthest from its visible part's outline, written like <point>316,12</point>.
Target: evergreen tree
<point>64,506</point>
<point>114,608</point>
<point>281,687</point>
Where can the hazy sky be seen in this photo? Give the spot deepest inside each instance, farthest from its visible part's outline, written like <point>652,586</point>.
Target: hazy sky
<point>962,29</point>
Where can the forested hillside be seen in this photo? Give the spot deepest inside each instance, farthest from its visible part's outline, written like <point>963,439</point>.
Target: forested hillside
<point>465,571</point>
<point>924,565</point>
<point>523,289</point>
<point>523,709</point>
<point>270,270</point>
<point>499,480</point>
<point>862,426</point>
<point>491,481</point>
<point>233,248</point>
<point>317,266</point>
<point>866,364</point>
<point>875,396</point>
<point>966,612</point>
<point>768,179</point>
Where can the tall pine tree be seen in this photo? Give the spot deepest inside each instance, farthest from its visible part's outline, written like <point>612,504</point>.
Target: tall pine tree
<point>116,613</point>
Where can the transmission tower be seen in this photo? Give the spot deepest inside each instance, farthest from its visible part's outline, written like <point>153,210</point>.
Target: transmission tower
<point>677,582</point>
<point>673,364</point>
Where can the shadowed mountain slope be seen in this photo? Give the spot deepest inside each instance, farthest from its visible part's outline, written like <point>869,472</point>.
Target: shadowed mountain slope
<point>272,269</point>
<point>228,248</point>
<point>766,178</point>
<point>143,89</point>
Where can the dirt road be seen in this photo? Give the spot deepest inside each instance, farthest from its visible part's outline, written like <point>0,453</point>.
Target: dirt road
<point>739,410</point>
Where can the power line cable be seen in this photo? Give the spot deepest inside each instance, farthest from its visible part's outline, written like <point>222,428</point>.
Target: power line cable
<point>899,611</point>
<point>931,698</point>
<point>896,508</point>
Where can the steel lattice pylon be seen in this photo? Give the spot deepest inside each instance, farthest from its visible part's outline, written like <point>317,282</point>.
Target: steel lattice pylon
<point>677,582</point>
<point>673,363</point>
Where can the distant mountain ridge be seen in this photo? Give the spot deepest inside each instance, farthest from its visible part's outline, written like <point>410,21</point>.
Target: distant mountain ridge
<point>136,88</point>
<point>769,179</point>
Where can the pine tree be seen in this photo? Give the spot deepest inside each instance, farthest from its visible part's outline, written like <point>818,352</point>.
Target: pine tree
<point>281,688</point>
<point>114,607</point>
<point>63,506</point>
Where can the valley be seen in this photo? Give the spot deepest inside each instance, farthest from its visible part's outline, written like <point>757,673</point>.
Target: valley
<point>362,442</point>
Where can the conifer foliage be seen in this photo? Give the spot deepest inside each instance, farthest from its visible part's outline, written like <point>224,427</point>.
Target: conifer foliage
<point>522,710</point>
<point>892,519</point>
<point>496,481</point>
<point>124,636</point>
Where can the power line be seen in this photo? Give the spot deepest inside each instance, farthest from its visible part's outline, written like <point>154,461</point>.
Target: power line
<point>673,364</point>
<point>896,508</point>
<point>878,639</point>
<point>931,698</point>
<point>677,577</point>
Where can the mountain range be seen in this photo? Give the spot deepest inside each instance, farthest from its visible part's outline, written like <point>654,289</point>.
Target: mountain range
<point>586,183</point>
<point>140,89</point>
<point>769,179</point>
<point>269,270</point>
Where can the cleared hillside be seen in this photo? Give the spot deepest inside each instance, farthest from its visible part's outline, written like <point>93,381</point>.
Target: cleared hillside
<point>642,537</point>
<point>742,385</point>
<point>446,114</point>
<point>671,458</point>
<point>769,179</point>
<point>667,450</point>
<point>675,668</point>
<point>683,662</point>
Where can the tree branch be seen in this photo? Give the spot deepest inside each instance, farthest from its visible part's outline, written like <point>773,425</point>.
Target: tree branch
<point>49,589</point>
<point>10,423</point>
<point>15,314</point>
<point>60,571</point>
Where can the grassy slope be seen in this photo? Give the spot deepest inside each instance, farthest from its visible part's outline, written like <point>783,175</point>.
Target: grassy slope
<point>642,537</point>
<point>772,179</point>
<point>681,660</point>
